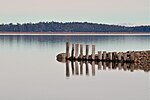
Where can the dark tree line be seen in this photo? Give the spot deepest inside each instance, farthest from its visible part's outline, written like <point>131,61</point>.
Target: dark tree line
<point>69,27</point>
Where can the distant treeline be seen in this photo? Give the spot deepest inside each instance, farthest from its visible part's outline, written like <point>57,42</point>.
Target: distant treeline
<point>69,27</point>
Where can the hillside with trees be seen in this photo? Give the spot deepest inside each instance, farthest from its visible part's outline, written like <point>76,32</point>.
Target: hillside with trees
<point>69,27</point>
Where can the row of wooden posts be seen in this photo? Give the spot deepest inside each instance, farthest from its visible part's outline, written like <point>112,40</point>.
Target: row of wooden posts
<point>101,56</point>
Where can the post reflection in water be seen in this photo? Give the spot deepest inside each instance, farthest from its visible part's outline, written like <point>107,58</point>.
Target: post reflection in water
<point>110,65</point>
<point>76,68</point>
<point>87,68</point>
<point>79,67</point>
<point>104,65</point>
<point>93,68</point>
<point>99,65</point>
<point>67,69</point>
<point>72,65</point>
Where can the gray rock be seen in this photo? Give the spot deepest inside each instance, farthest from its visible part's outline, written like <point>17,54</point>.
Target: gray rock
<point>61,57</point>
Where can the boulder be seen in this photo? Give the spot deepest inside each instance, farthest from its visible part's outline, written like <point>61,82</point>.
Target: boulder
<point>61,57</point>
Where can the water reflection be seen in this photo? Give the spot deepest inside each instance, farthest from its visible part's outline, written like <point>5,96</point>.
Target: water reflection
<point>87,67</point>
<point>104,42</point>
<point>28,69</point>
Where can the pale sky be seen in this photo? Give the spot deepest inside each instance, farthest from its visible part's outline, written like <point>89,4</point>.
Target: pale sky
<point>99,11</point>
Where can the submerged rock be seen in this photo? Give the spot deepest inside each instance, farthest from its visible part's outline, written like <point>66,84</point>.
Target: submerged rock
<point>61,57</point>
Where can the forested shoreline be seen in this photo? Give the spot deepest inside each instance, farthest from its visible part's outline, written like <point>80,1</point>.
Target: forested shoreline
<point>69,27</point>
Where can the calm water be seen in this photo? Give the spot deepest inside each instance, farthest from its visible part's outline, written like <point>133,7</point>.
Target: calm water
<point>29,70</point>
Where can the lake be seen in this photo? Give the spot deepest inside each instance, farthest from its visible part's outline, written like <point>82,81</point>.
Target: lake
<point>29,69</point>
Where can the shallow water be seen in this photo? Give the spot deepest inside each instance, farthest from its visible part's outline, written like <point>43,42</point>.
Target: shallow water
<point>29,70</point>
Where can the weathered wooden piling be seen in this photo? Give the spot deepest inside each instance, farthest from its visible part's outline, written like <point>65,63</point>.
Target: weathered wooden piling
<point>76,50</point>
<point>114,54</point>
<point>100,55</point>
<point>129,56</point>
<point>104,55</point>
<point>87,52</point>
<point>67,50</point>
<point>110,56</point>
<point>119,56</point>
<point>72,51</point>
<point>130,60</point>
<point>81,52</point>
<point>93,52</point>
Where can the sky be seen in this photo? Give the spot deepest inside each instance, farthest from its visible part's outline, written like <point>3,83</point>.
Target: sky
<point>122,12</point>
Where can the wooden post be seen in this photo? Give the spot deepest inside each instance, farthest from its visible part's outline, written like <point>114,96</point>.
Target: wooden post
<point>76,50</point>
<point>87,68</point>
<point>104,55</point>
<point>72,52</point>
<point>100,55</point>
<point>67,50</point>
<point>67,69</point>
<point>87,52</point>
<point>110,56</point>
<point>76,68</point>
<point>93,52</point>
<point>119,56</point>
<point>114,56</point>
<point>81,51</point>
